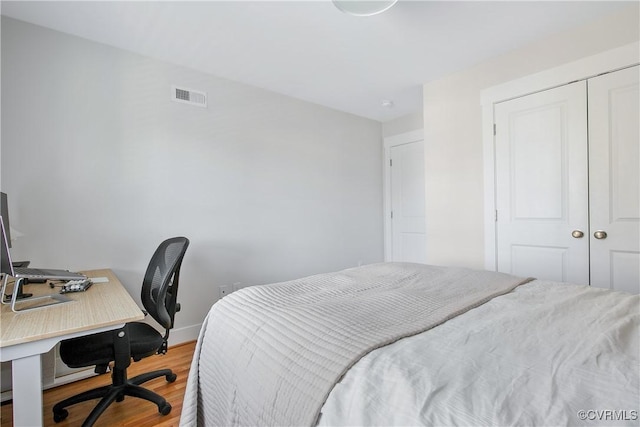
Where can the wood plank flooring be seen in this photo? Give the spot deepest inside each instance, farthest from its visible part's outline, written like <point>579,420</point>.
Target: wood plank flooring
<point>131,411</point>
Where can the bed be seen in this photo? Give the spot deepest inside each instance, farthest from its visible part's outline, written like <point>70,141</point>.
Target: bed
<point>412,344</point>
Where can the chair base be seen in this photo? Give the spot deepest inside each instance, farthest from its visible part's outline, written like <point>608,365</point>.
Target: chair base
<point>117,392</point>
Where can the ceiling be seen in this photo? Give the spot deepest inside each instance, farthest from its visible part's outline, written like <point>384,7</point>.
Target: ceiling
<point>312,51</point>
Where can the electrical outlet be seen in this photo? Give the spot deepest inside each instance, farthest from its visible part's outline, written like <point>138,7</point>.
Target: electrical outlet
<point>224,291</point>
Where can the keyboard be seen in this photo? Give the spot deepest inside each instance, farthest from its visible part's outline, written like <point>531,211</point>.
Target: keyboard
<point>26,271</point>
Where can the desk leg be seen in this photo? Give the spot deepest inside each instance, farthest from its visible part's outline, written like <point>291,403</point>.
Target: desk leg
<point>27,391</point>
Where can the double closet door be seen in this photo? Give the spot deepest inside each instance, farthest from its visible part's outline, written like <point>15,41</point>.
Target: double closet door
<point>568,183</point>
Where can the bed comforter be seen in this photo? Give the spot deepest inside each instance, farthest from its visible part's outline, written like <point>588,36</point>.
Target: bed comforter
<point>270,355</point>
<point>546,354</point>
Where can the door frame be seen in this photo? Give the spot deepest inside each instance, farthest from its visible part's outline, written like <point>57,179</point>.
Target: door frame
<point>582,69</point>
<point>392,141</point>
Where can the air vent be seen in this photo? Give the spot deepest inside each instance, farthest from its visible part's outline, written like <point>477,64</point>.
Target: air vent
<point>189,96</point>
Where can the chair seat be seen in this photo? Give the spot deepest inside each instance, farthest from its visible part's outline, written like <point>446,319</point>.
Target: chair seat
<point>98,349</point>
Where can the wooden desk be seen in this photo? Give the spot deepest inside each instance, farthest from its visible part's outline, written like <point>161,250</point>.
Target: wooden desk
<point>25,336</point>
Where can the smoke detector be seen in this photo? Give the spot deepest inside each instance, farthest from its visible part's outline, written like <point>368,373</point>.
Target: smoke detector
<point>387,103</point>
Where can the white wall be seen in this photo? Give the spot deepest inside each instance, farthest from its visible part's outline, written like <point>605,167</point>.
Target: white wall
<point>100,166</point>
<point>403,124</point>
<point>453,132</point>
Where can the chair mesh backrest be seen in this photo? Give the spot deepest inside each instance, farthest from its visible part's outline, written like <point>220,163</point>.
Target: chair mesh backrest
<point>160,284</point>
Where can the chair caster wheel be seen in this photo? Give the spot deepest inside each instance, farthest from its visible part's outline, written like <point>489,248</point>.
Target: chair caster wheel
<point>171,378</point>
<point>165,408</point>
<point>60,415</point>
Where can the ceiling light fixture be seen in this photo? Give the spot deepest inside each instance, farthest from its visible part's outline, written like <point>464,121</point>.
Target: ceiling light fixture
<point>364,7</point>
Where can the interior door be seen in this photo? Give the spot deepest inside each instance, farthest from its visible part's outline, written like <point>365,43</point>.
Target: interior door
<point>542,185</point>
<point>614,160</point>
<point>408,227</point>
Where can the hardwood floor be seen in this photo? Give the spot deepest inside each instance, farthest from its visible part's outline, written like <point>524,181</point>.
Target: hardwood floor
<point>130,412</point>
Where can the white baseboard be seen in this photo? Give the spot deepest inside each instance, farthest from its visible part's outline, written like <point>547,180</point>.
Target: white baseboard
<point>186,334</point>
<point>65,379</point>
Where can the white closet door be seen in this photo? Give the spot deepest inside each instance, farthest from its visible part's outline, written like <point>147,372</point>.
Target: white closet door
<point>542,185</point>
<point>614,160</point>
<point>408,227</point>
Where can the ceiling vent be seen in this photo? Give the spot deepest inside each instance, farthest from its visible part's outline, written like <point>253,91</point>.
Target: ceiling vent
<point>189,96</point>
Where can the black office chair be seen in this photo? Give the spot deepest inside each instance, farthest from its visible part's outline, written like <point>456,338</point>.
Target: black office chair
<point>135,340</point>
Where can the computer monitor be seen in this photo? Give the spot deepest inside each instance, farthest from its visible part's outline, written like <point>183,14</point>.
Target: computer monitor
<point>4,212</point>
<point>5,257</point>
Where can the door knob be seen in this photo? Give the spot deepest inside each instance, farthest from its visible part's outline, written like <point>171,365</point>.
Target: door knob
<point>577,234</point>
<point>600,234</point>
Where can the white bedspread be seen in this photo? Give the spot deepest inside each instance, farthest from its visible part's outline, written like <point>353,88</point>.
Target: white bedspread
<point>534,357</point>
<point>270,355</point>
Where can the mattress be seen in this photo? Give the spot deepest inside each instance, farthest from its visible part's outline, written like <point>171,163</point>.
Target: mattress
<point>467,348</point>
